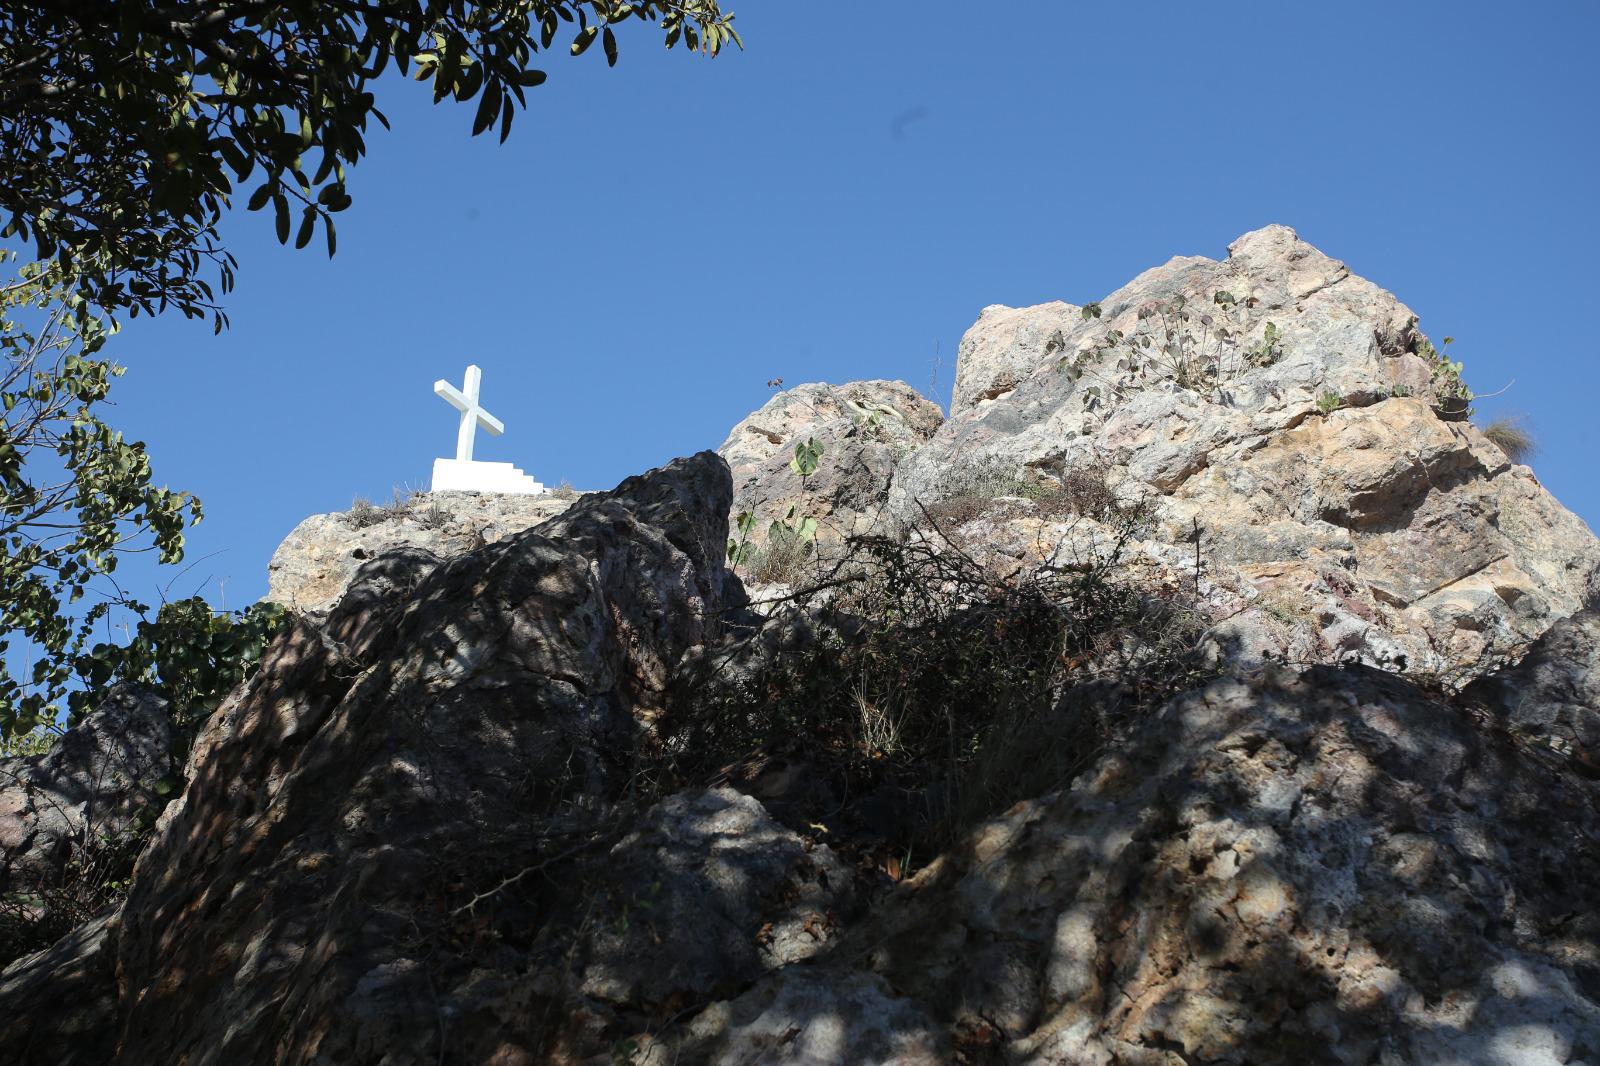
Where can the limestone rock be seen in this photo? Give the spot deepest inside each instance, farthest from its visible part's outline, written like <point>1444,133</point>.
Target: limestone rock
<point>318,559</point>
<point>1303,427</point>
<point>1553,694</point>
<point>707,893</point>
<point>357,860</point>
<point>808,1018</point>
<point>1005,346</point>
<point>1320,868</point>
<point>94,784</point>
<point>866,428</point>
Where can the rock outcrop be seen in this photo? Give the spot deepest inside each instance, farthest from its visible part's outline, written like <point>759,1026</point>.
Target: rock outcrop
<point>866,428</point>
<point>1290,414</point>
<point>92,788</point>
<point>506,795</point>
<point>318,559</point>
<point>1327,868</point>
<point>1553,695</point>
<point>1005,346</point>
<point>61,1002</point>
<point>382,796</point>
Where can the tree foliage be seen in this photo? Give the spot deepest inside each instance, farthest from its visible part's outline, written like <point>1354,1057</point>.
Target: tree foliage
<point>126,128</point>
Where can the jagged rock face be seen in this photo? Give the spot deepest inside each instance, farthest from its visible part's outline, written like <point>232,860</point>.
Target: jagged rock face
<point>866,428</point>
<point>327,887</point>
<point>1383,525</point>
<point>1329,868</point>
<point>1553,694</point>
<point>94,784</point>
<point>1003,347</point>
<point>319,558</point>
<point>413,837</point>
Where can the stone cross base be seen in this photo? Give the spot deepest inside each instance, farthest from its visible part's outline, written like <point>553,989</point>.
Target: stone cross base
<point>469,475</point>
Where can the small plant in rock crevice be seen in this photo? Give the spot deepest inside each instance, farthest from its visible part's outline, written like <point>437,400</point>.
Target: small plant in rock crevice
<point>790,540</point>
<point>1329,401</point>
<point>1455,397</point>
<point>1058,489</point>
<point>1197,349</point>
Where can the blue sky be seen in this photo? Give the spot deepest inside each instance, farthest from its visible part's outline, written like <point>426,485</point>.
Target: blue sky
<point>837,202</point>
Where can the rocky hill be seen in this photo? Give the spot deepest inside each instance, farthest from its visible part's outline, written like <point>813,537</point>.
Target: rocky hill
<point>1228,698</point>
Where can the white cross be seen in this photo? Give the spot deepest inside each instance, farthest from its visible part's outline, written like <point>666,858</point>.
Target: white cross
<point>465,400</point>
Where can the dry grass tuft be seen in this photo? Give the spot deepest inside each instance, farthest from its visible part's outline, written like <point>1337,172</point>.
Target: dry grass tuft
<point>1511,435</point>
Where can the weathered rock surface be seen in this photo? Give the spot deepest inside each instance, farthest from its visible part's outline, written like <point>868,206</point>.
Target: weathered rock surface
<point>60,1003</point>
<point>318,559</point>
<point>93,784</point>
<point>866,429</point>
<point>1325,868</point>
<point>1003,347</point>
<point>708,893</point>
<point>354,866</point>
<point>440,825</point>
<point>1424,539</point>
<point>1553,694</point>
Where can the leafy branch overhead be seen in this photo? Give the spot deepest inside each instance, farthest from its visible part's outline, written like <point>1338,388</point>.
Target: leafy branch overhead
<point>127,128</point>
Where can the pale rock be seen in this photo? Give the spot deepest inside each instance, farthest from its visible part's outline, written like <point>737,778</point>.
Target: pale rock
<point>1408,903</point>
<point>1005,345</point>
<point>1385,527</point>
<point>317,561</point>
<point>866,429</point>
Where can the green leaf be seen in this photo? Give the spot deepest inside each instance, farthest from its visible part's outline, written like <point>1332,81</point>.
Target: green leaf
<point>584,39</point>
<point>610,47</point>
<point>308,225</point>
<point>488,108</point>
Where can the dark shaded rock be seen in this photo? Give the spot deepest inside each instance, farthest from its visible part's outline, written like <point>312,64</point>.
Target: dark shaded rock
<point>95,784</point>
<point>1328,868</point>
<point>58,1007</point>
<point>1554,693</point>
<point>706,895</point>
<point>357,860</point>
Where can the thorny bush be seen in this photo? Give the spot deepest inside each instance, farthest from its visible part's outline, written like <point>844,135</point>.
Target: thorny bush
<point>929,681</point>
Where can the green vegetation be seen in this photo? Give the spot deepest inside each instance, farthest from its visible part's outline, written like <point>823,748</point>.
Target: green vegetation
<point>126,130</point>
<point>1197,349</point>
<point>129,128</point>
<point>78,496</point>
<point>1455,398</point>
<point>1329,401</point>
<point>791,540</point>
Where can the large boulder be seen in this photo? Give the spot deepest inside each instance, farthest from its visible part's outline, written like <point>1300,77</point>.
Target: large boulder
<point>88,796</point>
<point>866,429</point>
<point>1289,414</point>
<point>1328,867</point>
<point>319,558</point>
<point>375,828</point>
